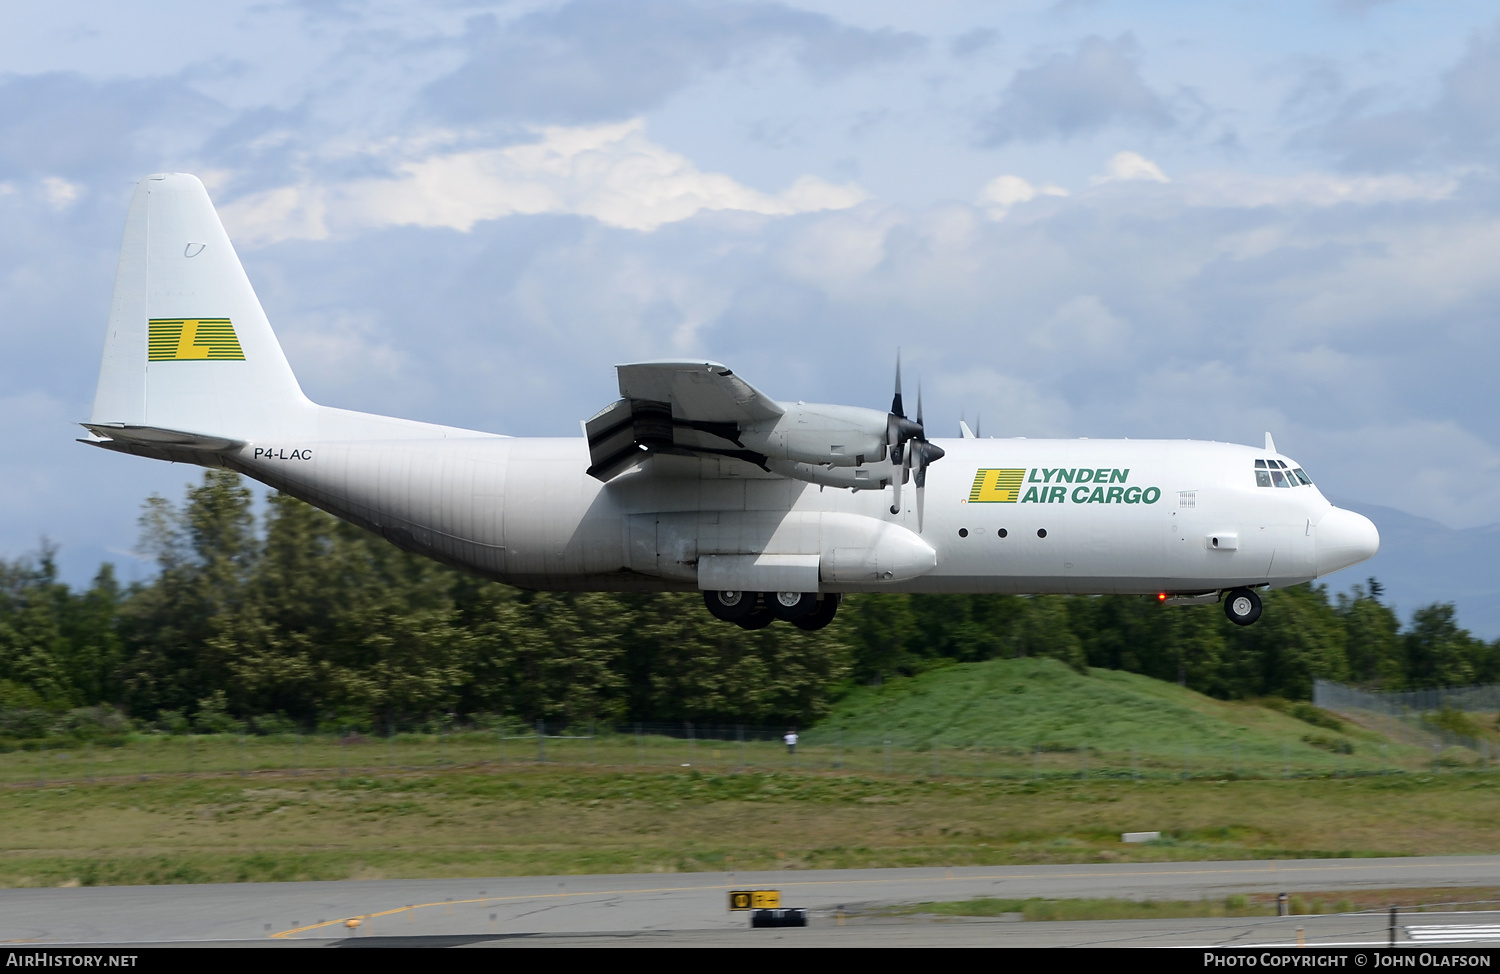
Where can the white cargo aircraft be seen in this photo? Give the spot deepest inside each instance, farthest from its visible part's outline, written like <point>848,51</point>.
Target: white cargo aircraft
<point>693,478</point>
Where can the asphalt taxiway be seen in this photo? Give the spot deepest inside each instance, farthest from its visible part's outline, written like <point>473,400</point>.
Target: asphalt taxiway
<point>691,909</point>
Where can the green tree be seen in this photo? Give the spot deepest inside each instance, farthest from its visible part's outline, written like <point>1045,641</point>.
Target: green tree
<point>883,629</point>
<point>547,656</point>
<point>1438,652</point>
<point>1042,629</point>
<point>33,650</point>
<point>174,655</point>
<point>684,665</point>
<point>1373,644</point>
<point>1299,638</point>
<point>341,627</point>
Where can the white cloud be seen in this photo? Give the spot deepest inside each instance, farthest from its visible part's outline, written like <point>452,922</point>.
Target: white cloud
<point>1083,326</point>
<point>1227,188</point>
<point>286,213</point>
<point>1004,192</point>
<point>1071,95</point>
<point>344,350</point>
<point>1002,405</point>
<point>611,173</point>
<point>838,251</point>
<point>1129,167</point>
<point>59,193</point>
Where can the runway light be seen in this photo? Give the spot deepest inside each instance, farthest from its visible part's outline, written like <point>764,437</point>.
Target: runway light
<point>1161,596</point>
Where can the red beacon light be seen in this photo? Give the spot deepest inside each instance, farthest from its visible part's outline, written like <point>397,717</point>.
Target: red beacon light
<point>1161,596</point>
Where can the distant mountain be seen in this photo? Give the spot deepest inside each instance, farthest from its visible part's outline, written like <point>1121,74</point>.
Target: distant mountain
<point>1422,562</point>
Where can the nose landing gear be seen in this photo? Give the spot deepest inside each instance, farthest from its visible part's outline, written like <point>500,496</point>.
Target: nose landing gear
<point>1242,606</point>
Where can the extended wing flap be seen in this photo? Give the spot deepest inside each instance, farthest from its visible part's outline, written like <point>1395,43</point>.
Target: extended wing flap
<point>675,408</point>
<point>613,444</point>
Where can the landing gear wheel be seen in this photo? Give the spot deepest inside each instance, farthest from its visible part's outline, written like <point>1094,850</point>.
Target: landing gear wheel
<point>730,606</point>
<point>759,618</point>
<point>791,606</point>
<point>1242,606</point>
<point>822,615</point>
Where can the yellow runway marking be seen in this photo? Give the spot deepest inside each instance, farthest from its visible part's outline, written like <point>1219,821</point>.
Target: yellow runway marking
<point>1272,867</point>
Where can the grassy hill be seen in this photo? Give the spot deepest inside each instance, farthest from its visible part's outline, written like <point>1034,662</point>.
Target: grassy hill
<point>1041,708</point>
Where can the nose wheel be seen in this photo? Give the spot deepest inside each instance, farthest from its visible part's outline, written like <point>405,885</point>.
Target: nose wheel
<point>1242,606</point>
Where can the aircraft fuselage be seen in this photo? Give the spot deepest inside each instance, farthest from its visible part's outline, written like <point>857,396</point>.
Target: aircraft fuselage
<point>1056,516</point>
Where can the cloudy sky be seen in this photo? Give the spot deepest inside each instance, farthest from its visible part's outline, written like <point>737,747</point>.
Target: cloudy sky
<point>1075,218</point>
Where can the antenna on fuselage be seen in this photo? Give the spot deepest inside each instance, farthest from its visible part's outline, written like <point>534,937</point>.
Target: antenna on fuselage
<point>1270,443</point>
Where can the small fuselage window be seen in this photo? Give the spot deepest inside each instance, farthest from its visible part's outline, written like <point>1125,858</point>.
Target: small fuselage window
<point>1275,473</point>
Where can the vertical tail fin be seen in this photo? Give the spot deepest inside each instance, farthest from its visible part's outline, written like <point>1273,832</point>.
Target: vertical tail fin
<point>189,347</point>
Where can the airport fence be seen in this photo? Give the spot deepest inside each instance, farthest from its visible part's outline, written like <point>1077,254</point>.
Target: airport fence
<point>1475,699</point>
<point>500,745</point>
<point>1444,715</point>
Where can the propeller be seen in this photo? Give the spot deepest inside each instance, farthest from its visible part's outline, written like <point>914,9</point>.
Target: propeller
<point>898,480</point>
<point>908,448</point>
<point>925,453</point>
<point>899,429</point>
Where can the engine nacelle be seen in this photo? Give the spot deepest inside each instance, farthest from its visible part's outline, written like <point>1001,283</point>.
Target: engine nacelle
<point>813,433</point>
<point>868,476</point>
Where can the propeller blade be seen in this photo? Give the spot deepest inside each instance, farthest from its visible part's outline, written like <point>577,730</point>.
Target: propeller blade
<point>926,453</point>
<point>897,409</point>
<point>902,472</point>
<point>898,429</point>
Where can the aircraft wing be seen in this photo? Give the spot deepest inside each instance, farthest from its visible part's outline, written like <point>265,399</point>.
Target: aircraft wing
<point>676,407</point>
<point>703,391</point>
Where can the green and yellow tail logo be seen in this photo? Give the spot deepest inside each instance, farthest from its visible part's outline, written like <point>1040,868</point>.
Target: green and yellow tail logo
<point>996,486</point>
<point>194,339</point>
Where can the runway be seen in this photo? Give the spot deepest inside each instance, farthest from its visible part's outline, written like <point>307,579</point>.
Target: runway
<point>690,909</point>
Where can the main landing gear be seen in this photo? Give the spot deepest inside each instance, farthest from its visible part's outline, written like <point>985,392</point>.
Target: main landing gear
<point>756,610</point>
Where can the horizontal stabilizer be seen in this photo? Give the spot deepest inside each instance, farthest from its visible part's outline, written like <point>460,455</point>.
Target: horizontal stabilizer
<point>159,444</point>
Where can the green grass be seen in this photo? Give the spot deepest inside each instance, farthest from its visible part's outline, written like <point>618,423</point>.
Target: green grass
<point>1020,718</point>
<point>1037,908</point>
<point>1010,761</point>
<point>1238,905</point>
<point>1114,720</point>
<point>540,820</point>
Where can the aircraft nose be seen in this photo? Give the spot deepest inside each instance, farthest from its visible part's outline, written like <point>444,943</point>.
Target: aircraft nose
<point>1345,538</point>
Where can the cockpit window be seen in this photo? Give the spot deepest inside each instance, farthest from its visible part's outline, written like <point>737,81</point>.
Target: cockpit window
<point>1277,473</point>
